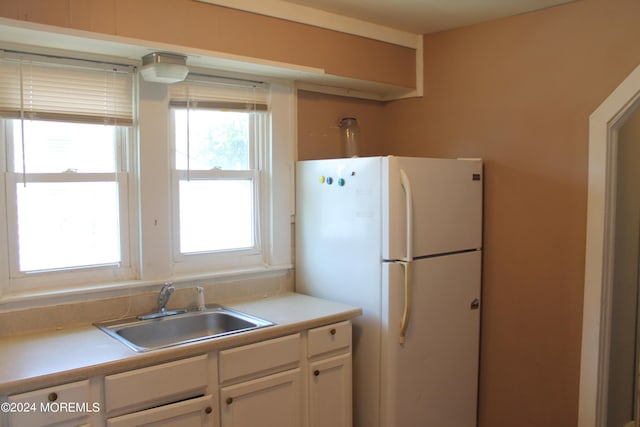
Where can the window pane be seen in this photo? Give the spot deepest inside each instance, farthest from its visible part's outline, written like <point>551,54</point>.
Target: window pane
<point>53,147</point>
<point>217,139</point>
<point>216,215</point>
<point>63,225</point>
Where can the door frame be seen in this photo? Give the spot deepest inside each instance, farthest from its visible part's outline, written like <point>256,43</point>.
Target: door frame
<point>604,123</point>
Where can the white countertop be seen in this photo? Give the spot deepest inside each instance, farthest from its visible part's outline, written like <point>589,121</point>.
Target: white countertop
<point>44,359</point>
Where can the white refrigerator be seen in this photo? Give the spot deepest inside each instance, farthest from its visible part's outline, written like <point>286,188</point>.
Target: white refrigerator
<point>400,237</point>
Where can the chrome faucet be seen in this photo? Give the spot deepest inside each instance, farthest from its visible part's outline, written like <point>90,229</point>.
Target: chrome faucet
<point>163,298</point>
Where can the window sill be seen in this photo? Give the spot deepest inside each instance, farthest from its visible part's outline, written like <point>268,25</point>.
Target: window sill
<point>131,288</point>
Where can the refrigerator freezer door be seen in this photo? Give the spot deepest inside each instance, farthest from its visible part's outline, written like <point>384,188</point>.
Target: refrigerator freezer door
<point>338,247</point>
<point>447,206</point>
<point>432,380</point>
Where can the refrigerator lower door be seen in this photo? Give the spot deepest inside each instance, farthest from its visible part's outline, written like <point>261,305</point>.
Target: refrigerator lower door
<point>432,379</point>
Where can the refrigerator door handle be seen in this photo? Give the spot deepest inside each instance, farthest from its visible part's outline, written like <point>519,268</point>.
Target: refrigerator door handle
<point>406,185</point>
<point>406,262</point>
<point>406,312</point>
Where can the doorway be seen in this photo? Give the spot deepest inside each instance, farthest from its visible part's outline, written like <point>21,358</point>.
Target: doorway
<point>605,126</point>
<point>622,369</point>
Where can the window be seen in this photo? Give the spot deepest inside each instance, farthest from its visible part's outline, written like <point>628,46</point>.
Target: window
<point>197,183</point>
<point>220,132</point>
<point>66,128</point>
<point>67,205</point>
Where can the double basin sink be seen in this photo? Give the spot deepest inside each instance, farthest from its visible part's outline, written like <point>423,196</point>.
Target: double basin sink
<point>170,330</point>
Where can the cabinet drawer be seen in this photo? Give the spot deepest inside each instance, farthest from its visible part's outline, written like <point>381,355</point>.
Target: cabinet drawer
<point>260,358</point>
<point>156,385</point>
<point>192,412</point>
<point>47,406</point>
<point>329,338</point>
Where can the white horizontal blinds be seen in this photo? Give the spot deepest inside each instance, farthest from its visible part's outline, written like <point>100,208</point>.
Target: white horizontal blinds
<point>219,93</point>
<point>205,92</point>
<point>10,98</point>
<point>32,88</point>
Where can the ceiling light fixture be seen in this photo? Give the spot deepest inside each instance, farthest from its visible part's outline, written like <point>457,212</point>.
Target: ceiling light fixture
<point>162,67</point>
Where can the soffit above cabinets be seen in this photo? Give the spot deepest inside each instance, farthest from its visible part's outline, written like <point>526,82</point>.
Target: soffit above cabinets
<point>46,39</point>
<point>355,18</point>
<point>427,16</point>
<point>399,22</point>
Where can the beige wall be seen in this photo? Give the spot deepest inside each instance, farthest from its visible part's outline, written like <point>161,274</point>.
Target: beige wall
<point>518,92</point>
<point>318,131</point>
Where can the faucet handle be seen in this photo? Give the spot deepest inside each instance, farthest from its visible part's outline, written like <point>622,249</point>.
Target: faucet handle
<point>165,293</point>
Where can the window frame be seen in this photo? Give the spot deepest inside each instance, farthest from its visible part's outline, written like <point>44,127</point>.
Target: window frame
<point>195,262</point>
<point>18,282</point>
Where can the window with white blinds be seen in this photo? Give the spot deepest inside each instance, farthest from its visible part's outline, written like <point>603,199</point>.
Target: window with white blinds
<point>88,151</point>
<point>38,88</point>
<point>220,93</point>
<point>66,127</point>
<point>220,133</point>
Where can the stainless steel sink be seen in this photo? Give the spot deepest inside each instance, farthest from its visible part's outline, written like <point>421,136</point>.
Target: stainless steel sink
<point>167,331</point>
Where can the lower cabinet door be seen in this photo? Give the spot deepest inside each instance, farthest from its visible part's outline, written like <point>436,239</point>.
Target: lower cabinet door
<point>194,412</point>
<point>330,392</point>
<point>271,401</point>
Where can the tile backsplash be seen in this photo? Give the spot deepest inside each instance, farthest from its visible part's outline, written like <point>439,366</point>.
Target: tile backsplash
<point>65,315</point>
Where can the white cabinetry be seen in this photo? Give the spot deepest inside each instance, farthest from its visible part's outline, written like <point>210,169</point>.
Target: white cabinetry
<point>298,380</point>
<point>194,412</point>
<point>261,384</point>
<point>330,396</point>
<point>169,394</point>
<point>273,400</point>
<point>64,405</point>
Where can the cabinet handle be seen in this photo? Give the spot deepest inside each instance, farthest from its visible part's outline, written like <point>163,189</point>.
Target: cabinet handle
<point>333,331</point>
<point>52,397</point>
<point>208,410</point>
<point>316,372</point>
<point>229,400</point>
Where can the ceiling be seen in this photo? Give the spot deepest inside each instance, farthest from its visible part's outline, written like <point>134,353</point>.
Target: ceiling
<point>427,16</point>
